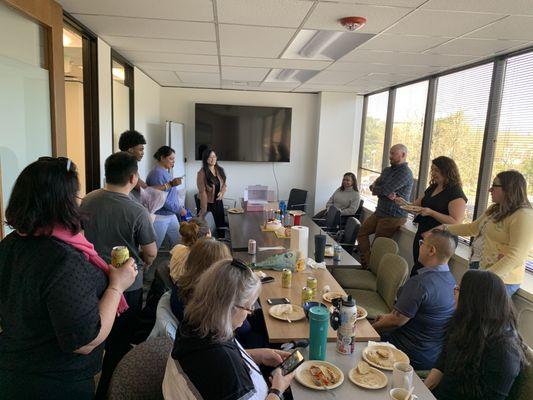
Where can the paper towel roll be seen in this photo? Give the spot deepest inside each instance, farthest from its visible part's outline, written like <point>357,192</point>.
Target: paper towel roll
<point>300,239</point>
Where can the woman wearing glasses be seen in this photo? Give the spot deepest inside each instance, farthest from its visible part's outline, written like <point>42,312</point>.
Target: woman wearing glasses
<point>505,229</point>
<point>207,361</point>
<point>58,298</point>
<point>484,352</point>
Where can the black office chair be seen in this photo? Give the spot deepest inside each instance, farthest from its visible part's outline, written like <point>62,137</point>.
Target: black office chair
<point>359,212</point>
<point>297,199</point>
<point>332,222</point>
<point>347,237</point>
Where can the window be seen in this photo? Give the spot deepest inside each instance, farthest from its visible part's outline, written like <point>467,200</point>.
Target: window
<point>514,144</point>
<point>458,128</point>
<point>408,125</point>
<point>374,140</point>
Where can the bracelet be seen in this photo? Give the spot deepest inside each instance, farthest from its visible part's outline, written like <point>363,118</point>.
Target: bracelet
<point>115,289</point>
<point>167,186</point>
<point>276,392</point>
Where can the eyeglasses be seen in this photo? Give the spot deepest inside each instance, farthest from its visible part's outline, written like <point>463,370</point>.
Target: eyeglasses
<point>239,264</point>
<point>67,161</point>
<point>250,310</point>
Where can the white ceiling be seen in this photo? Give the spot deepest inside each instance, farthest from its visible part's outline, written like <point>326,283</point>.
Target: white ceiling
<point>234,44</point>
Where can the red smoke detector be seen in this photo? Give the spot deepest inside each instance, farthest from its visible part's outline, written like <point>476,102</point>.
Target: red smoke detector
<point>353,23</point>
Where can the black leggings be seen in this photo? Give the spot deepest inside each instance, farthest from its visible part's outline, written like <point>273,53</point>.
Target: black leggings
<point>217,209</point>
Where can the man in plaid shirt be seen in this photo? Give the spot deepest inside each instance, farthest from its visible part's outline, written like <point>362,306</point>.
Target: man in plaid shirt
<point>394,181</point>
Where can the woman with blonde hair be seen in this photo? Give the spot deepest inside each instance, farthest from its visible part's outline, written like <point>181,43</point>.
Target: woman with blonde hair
<point>505,229</point>
<point>203,254</point>
<point>207,361</point>
<point>190,232</point>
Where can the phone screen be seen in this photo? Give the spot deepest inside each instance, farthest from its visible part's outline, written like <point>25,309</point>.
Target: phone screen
<point>291,363</point>
<point>267,279</point>
<point>281,300</point>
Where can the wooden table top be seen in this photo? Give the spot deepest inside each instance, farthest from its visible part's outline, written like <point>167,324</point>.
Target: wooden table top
<point>281,331</point>
<point>247,226</point>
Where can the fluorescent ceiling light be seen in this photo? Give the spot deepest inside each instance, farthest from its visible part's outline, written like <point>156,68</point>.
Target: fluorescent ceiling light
<point>324,45</point>
<point>290,75</point>
<point>318,43</point>
<point>286,74</point>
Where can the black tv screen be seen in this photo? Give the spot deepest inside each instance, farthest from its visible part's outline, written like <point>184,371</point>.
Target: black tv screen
<point>243,133</point>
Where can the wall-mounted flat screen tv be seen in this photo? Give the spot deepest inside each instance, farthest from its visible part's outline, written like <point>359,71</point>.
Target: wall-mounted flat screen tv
<point>243,133</point>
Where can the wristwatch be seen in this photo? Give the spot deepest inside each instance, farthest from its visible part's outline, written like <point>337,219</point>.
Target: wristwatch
<point>276,392</point>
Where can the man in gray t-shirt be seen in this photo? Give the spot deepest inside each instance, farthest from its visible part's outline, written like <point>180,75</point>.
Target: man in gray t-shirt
<point>115,219</point>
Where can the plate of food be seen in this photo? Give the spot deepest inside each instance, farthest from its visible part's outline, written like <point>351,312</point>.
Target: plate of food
<point>273,224</point>
<point>329,251</point>
<point>361,313</point>
<point>330,296</point>
<point>383,357</point>
<point>367,377</point>
<point>411,208</point>
<point>287,312</point>
<point>319,375</point>
<point>235,210</point>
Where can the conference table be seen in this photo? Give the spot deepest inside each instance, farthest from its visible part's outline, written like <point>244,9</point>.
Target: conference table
<point>348,390</point>
<point>247,226</point>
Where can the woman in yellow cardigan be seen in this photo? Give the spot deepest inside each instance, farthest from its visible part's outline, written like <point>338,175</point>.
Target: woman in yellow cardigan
<point>506,229</point>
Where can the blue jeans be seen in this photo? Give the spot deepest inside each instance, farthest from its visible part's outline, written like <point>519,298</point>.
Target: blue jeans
<point>511,289</point>
<point>166,226</point>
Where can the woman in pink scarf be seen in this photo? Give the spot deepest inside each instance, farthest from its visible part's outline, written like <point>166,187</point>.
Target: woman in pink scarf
<point>58,298</point>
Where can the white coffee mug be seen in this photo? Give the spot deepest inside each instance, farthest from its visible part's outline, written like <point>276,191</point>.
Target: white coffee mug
<point>402,375</point>
<point>400,394</point>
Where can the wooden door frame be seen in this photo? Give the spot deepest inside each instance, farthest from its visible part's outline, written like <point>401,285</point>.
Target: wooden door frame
<point>49,14</point>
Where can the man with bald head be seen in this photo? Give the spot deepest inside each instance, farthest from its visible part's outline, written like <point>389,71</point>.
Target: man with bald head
<point>418,322</point>
<point>394,181</point>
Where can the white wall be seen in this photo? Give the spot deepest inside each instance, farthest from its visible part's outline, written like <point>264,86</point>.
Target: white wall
<point>177,104</point>
<point>76,128</point>
<point>148,118</point>
<point>104,104</point>
<point>338,142</point>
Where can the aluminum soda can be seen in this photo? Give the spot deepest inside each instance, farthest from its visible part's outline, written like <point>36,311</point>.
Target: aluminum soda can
<point>312,284</point>
<point>252,246</point>
<point>307,294</point>
<point>119,255</point>
<point>286,278</point>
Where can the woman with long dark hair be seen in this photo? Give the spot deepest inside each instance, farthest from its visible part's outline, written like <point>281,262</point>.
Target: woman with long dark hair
<point>211,182</point>
<point>443,202</point>
<point>505,229</point>
<point>166,224</point>
<point>58,298</point>
<point>484,352</point>
<point>346,198</point>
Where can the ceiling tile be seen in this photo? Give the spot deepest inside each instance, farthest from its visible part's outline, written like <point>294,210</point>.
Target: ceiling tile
<point>284,13</point>
<point>197,77</point>
<point>152,28</point>
<point>326,16</point>
<point>409,43</point>
<point>280,85</point>
<point>253,41</point>
<point>414,70</point>
<point>164,78</point>
<point>163,45</point>
<point>391,57</point>
<point>442,23</point>
<point>333,77</point>
<point>244,74</point>
<point>518,28</point>
<point>395,3</point>
<point>160,57</point>
<point>184,10</point>
<point>523,7</point>
<point>476,47</point>
<point>179,67</point>
<point>274,63</point>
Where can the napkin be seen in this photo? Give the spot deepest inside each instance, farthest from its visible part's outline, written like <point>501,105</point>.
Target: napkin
<point>372,343</point>
<point>313,264</point>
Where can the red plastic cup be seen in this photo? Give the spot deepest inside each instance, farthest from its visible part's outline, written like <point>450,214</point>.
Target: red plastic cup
<point>297,220</point>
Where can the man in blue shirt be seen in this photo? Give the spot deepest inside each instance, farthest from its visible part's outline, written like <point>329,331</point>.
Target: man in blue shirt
<point>417,325</point>
<point>394,181</point>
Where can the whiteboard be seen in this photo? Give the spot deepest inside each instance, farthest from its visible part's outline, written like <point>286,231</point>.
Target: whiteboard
<point>175,139</point>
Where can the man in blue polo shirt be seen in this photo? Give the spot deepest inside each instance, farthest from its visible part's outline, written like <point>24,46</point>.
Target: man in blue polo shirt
<point>417,325</point>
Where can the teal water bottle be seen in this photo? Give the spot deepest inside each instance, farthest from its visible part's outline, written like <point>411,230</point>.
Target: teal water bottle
<point>318,335</point>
